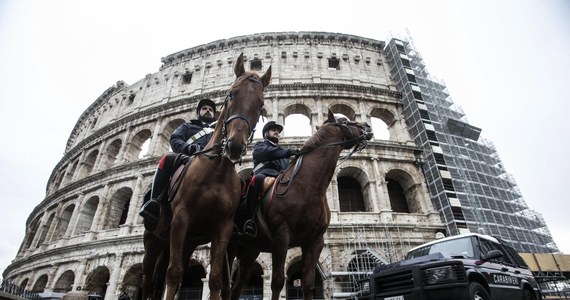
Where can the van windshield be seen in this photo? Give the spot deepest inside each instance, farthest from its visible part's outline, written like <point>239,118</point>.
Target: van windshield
<point>450,248</point>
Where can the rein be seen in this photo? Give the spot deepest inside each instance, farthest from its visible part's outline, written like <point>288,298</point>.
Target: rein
<point>227,120</point>
<point>360,144</point>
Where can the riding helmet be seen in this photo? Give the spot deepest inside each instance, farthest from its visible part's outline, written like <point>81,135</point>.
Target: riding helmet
<point>206,102</point>
<point>269,125</point>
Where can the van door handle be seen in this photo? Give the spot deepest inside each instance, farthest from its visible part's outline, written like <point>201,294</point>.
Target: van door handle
<point>504,269</point>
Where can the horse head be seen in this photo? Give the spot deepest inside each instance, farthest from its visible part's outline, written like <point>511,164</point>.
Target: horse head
<point>243,107</point>
<point>354,134</point>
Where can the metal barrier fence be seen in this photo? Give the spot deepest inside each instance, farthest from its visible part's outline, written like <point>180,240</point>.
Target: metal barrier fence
<point>14,289</point>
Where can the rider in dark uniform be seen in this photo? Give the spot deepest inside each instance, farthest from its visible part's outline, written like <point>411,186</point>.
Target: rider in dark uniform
<point>187,139</point>
<point>269,160</point>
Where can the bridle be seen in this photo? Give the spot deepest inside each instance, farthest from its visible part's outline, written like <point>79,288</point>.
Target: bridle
<point>360,142</point>
<point>227,119</point>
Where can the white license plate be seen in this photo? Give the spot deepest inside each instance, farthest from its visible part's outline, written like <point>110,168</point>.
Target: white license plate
<point>395,298</point>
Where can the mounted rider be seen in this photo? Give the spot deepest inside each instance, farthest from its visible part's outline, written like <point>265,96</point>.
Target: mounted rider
<point>187,139</point>
<point>269,160</point>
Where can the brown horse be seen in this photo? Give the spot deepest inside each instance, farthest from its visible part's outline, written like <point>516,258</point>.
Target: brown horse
<point>209,194</point>
<point>297,214</point>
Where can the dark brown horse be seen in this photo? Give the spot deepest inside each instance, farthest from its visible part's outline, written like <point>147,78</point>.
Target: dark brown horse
<point>209,194</point>
<point>297,214</point>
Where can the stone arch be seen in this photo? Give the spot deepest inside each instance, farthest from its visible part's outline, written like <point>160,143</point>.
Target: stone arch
<point>69,174</point>
<point>45,230</point>
<point>297,120</point>
<point>353,190</point>
<point>192,285</point>
<point>97,280</point>
<point>65,282</point>
<point>33,231</point>
<point>88,164</point>
<point>134,147</point>
<point>58,180</point>
<point>162,144</point>
<point>294,277</point>
<point>132,282</point>
<point>402,190</point>
<point>111,154</point>
<point>118,208</point>
<point>381,117</point>
<point>24,283</point>
<point>86,215</point>
<point>40,284</point>
<point>341,108</point>
<point>63,222</point>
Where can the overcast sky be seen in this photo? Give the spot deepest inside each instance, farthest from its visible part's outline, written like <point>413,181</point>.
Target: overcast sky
<point>504,62</point>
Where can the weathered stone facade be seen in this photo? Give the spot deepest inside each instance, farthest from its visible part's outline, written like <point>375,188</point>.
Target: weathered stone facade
<point>86,234</point>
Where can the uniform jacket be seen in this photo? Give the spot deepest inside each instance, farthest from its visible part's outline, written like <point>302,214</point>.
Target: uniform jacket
<point>274,158</point>
<point>179,140</point>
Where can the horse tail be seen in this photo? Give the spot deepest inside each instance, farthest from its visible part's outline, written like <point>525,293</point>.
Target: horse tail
<point>159,275</point>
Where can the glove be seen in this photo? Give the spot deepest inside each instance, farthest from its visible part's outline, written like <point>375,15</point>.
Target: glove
<point>293,152</point>
<point>192,148</point>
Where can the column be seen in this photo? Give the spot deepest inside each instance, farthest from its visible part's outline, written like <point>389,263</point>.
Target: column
<point>75,216</point>
<point>155,140</point>
<point>122,155</point>
<point>206,288</point>
<point>136,202</point>
<point>112,291</point>
<point>99,213</point>
<point>79,277</point>
<point>267,286</point>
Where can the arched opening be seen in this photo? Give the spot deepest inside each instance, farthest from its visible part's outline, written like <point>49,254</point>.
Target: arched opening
<point>24,283</point>
<point>63,222</point>
<point>297,125</point>
<point>144,149</point>
<point>69,174</point>
<point>294,282</point>
<point>350,194</point>
<point>96,283</point>
<point>88,164</point>
<point>46,229</point>
<point>345,110</point>
<point>403,192</point>
<point>163,144</point>
<point>380,129</point>
<point>132,283</point>
<point>64,282</point>
<point>383,121</point>
<point>33,231</point>
<point>40,284</point>
<point>85,218</point>
<point>134,150</point>
<point>111,154</point>
<point>397,197</point>
<point>118,208</point>
<point>192,285</point>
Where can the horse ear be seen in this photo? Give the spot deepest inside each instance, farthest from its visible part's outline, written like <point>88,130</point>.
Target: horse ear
<point>266,78</point>
<point>239,68</point>
<point>331,117</point>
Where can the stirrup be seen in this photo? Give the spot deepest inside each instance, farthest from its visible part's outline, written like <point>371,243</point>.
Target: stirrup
<point>250,228</point>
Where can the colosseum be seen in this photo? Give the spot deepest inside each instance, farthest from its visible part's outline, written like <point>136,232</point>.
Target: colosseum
<point>85,236</point>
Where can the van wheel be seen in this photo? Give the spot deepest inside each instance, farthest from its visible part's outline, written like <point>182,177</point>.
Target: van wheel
<point>528,295</point>
<point>478,292</point>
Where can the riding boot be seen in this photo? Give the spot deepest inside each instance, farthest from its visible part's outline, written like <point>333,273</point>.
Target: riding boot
<point>150,211</point>
<point>250,226</point>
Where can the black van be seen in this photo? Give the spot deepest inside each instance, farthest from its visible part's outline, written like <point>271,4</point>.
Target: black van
<point>470,266</point>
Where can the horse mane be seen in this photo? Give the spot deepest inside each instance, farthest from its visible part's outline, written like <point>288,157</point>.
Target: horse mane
<point>316,139</point>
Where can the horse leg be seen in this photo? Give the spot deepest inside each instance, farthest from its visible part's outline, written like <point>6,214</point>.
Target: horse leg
<point>217,254</point>
<point>246,259</point>
<point>279,253</point>
<point>153,248</point>
<point>178,236</point>
<point>311,255</point>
